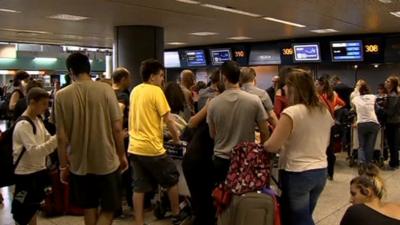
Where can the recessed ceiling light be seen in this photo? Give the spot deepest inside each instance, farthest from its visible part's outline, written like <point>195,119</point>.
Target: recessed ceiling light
<point>284,22</point>
<point>226,9</point>
<point>386,1</point>
<point>68,17</point>
<point>25,31</point>
<point>189,2</point>
<point>204,33</point>
<point>397,14</point>
<point>176,43</point>
<point>324,31</point>
<point>238,38</point>
<point>9,11</point>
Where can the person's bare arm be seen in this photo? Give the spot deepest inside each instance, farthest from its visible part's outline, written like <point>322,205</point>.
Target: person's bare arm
<point>280,134</point>
<point>62,144</point>
<point>171,127</point>
<point>272,119</point>
<point>198,117</point>
<point>14,100</point>
<point>118,135</point>
<point>264,132</point>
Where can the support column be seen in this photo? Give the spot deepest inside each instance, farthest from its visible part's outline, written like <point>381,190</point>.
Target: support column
<point>133,44</point>
<point>109,66</point>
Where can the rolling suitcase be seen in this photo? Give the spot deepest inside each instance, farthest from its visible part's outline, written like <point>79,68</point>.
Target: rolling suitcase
<point>253,208</point>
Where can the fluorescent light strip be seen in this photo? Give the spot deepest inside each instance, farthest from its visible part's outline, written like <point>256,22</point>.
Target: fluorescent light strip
<point>284,22</point>
<point>189,2</point>
<point>204,33</point>
<point>386,1</point>
<point>9,11</point>
<point>34,72</point>
<point>68,17</point>
<point>44,60</point>
<point>176,43</point>
<point>397,14</point>
<point>25,31</point>
<point>323,31</point>
<point>7,60</point>
<point>221,8</point>
<point>238,38</point>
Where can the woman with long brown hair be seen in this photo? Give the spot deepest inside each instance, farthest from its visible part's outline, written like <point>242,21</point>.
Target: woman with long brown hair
<point>392,111</point>
<point>301,137</point>
<point>333,102</point>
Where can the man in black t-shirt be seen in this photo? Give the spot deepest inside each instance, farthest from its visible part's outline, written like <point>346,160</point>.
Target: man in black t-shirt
<point>121,79</point>
<point>343,90</point>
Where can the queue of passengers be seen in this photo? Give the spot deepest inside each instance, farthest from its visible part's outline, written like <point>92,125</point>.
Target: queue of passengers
<point>103,131</point>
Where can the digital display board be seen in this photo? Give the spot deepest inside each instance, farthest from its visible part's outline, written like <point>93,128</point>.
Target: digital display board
<point>306,52</point>
<point>219,56</point>
<point>195,58</point>
<point>347,51</point>
<point>264,55</point>
<point>172,60</point>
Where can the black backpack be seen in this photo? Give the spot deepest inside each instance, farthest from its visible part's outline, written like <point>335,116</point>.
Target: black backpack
<point>7,166</point>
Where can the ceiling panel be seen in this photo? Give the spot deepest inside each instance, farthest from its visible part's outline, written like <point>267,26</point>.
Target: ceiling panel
<point>180,19</point>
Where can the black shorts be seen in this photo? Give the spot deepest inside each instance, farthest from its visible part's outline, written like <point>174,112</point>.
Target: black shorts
<point>152,170</point>
<point>30,191</point>
<point>91,191</point>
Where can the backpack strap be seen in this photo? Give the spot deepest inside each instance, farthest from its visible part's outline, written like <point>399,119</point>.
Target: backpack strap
<point>23,148</point>
<point>27,118</point>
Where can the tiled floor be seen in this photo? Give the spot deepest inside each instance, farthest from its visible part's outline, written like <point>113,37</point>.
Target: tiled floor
<point>330,209</point>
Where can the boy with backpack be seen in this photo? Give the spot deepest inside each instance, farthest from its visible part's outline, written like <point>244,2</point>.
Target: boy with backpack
<point>31,144</point>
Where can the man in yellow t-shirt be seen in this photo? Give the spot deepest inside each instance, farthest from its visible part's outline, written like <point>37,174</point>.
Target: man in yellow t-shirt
<point>148,110</point>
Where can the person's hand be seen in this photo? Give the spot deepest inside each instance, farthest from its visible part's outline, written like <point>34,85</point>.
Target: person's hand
<point>64,175</point>
<point>354,125</point>
<point>176,142</point>
<point>123,164</point>
<point>195,96</point>
<point>126,133</point>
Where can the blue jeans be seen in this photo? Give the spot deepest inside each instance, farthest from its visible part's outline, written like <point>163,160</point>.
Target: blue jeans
<point>367,133</point>
<point>300,192</point>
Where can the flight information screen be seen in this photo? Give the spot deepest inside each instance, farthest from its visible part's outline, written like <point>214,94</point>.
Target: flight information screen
<point>347,51</point>
<point>195,58</point>
<point>219,56</point>
<point>306,53</point>
<point>171,60</point>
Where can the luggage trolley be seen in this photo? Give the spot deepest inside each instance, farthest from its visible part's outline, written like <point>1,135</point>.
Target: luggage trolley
<point>378,149</point>
<point>162,205</point>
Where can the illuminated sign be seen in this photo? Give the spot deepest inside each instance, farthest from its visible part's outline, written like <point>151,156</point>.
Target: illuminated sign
<point>372,48</point>
<point>287,51</point>
<point>240,54</point>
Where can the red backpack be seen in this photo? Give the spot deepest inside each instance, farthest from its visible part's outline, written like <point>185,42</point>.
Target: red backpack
<point>249,170</point>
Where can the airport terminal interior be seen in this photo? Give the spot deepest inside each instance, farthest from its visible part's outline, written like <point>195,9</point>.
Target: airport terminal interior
<point>219,54</point>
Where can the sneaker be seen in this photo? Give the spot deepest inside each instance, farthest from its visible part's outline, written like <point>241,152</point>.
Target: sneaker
<point>178,219</point>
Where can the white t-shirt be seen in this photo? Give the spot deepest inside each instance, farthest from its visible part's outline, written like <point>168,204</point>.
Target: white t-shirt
<point>306,146</point>
<point>38,146</point>
<point>365,108</point>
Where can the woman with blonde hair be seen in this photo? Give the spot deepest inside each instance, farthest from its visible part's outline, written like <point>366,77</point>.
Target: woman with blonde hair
<point>301,137</point>
<point>367,191</point>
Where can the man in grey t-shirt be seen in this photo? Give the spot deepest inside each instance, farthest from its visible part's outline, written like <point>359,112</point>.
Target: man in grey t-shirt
<point>232,118</point>
<point>247,80</point>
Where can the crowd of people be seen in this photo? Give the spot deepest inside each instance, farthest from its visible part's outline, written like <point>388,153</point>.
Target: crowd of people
<point>111,141</point>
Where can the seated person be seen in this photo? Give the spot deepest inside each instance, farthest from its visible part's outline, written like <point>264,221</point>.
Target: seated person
<point>366,192</point>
